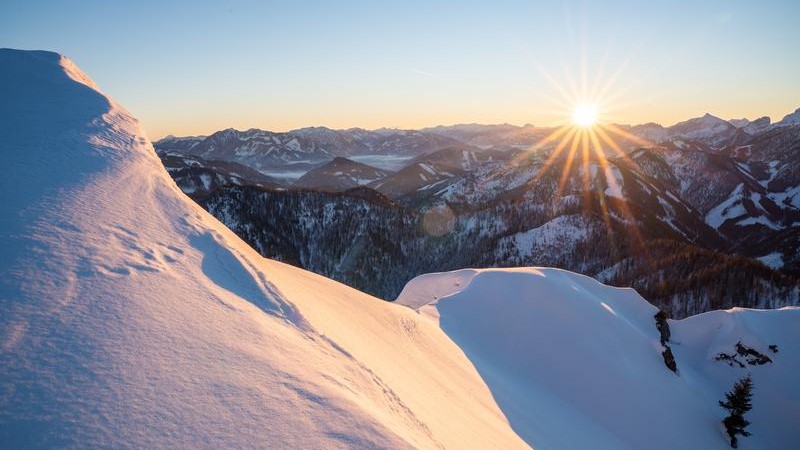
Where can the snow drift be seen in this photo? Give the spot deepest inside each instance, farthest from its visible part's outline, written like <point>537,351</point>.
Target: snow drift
<point>576,364</point>
<point>129,317</point>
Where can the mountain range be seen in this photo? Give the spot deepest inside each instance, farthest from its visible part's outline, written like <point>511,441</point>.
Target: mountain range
<point>724,192</point>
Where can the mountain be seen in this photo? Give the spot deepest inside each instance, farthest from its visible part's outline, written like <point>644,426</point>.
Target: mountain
<point>340,174</point>
<point>707,130</point>
<point>291,154</point>
<point>710,129</point>
<point>410,143</point>
<point>434,171</point>
<point>691,170</point>
<point>762,213</point>
<point>650,131</point>
<point>585,402</point>
<point>503,136</point>
<point>751,126</point>
<point>195,175</point>
<point>130,317</point>
<point>181,145</point>
<point>288,156</point>
<point>791,119</point>
<point>418,176</point>
<point>460,158</point>
<point>278,155</point>
<point>708,184</point>
<point>376,245</point>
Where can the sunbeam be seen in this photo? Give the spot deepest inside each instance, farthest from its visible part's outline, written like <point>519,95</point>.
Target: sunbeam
<point>587,146</point>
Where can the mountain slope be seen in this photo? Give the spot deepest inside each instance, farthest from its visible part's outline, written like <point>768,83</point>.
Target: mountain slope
<point>129,317</point>
<point>709,128</point>
<point>340,174</point>
<point>609,381</point>
<point>195,175</point>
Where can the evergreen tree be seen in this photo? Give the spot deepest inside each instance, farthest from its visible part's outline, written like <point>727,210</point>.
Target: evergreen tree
<point>737,402</point>
<point>662,325</point>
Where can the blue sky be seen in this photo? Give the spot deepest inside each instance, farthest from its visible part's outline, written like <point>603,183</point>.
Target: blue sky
<point>195,67</point>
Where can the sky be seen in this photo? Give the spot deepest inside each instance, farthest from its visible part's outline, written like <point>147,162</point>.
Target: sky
<point>194,67</point>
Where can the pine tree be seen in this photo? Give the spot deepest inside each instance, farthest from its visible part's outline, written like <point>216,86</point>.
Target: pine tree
<point>738,403</point>
<point>662,325</point>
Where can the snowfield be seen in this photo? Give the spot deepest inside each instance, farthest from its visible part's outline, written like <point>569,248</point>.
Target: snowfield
<point>575,364</point>
<point>131,318</point>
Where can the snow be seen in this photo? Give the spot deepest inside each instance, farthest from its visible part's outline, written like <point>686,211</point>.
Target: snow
<point>427,168</point>
<point>614,182</point>
<point>790,119</point>
<point>773,171</point>
<point>730,208</point>
<point>704,127</point>
<point>576,364</point>
<point>561,233</point>
<point>206,180</point>
<point>773,260</point>
<point>789,197</point>
<point>759,220</point>
<point>294,145</point>
<point>129,317</point>
<point>386,162</point>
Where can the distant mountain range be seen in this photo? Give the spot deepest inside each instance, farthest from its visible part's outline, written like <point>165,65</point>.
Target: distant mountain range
<point>725,192</point>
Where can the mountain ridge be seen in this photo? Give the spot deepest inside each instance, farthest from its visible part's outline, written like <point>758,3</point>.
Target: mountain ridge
<point>131,317</point>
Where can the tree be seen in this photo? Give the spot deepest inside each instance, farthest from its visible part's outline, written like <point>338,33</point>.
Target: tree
<point>737,402</point>
<point>662,325</point>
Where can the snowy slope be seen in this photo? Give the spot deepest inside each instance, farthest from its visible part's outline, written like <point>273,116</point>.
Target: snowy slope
<point>577,364</point>
<point>129,317</point>
<point>790,119</point>
<point>340,174</point>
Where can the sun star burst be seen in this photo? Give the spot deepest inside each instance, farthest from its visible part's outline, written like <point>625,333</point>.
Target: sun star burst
<point>585,115</point>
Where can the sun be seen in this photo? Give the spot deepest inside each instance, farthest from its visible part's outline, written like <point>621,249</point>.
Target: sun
<point>584,146</point>
<point>585,115</point>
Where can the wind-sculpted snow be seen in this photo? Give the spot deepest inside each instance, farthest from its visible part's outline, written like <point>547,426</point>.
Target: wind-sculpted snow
<point>577,364</point>
<point>130,318</point>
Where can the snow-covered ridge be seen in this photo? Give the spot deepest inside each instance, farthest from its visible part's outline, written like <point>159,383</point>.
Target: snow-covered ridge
<point>577,364</point>
<point>790,119</point>
<point>129,317</point>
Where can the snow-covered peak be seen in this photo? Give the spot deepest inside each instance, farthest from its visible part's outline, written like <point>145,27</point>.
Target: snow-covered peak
<point>651,131</point>
<point>751,126</point>
<point>310,131</point>
<point>129,317</point>
<point>790,119</point>
<point>708,128</point>
<point>706,120</point>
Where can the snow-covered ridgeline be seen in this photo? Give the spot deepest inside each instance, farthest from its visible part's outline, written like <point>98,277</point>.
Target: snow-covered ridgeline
<point>131,317</point>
